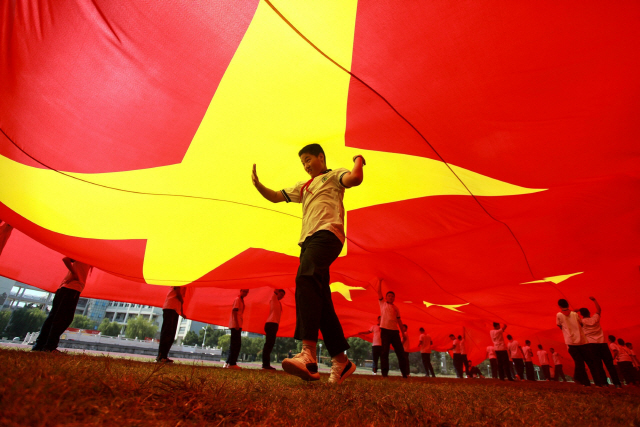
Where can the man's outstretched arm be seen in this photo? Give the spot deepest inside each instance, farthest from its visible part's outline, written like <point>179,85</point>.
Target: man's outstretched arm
<point>269,194</point>
<point>355,177</point>
<point>598,309</point>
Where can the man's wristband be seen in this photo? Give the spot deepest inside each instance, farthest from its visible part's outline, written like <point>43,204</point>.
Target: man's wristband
<point>364,163</point>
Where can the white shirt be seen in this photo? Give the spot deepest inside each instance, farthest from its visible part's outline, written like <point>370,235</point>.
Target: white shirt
<point>491,351</point>
<point>557,359</point>
<point>593,330</point>
<point>463,348</point>
<point>623,354</point>
<point>82,271</point>
<point>275,309</point>
<point>528,354</point>
<point>425,343</point>
<point>614,347</point>
<point>406,344</point>
<point>514,350</point>
<point>172,302</point>
<point>543,357</point>
<point>322,207</point>
<point>498,340</point>
<point>377,340</point>
<point>571,328</point>
<point>389,315</point>
<point>456,346</point>
<point>239,304</point>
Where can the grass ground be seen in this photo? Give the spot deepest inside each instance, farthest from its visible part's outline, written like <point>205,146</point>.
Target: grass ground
<point>54,389</point>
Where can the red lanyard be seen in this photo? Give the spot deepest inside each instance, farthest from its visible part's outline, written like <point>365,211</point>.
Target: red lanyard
<point>308,183</point>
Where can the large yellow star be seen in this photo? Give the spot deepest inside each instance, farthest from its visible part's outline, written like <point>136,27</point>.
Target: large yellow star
<point>452,307</point>
<point>554,279</point>
<point>277,95</point>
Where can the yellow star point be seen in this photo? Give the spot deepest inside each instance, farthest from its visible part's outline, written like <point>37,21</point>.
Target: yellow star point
<point>554,279</point>
<point>277,95</point>
<point>452,307</point>
<point>344,290</point>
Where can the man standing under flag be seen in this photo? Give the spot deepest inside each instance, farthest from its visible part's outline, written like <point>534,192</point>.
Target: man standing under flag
<point>528,361</point>
<point>64,306</point>
<point>493,361</point>
<point>172,309</point>
<point>425,352</point>
<point>501,351</point>
<point>376,345</point>
<point>235,324</point>
<point>598,346</point>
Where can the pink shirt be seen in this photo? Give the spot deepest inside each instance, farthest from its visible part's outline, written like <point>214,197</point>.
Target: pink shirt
<point>514,350</point>
<point>543,357</point>
<point>623,354</point>
<point>238,304</point>
<point>172,302</point>
<point>275,310</point>
<point>528,354</point>
<point>592,329</point>
<point>377,340</point>
<point>389,315</point>
<point>491,351</point>
<point>425,343</point>
<point>498,340</point>
<point>406,344</point>
<point>456,346</point>
<point>81,271</point>
<point>557,359</point>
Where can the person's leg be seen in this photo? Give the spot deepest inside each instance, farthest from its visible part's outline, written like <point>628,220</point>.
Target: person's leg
<point>430,366</point>
<point>528,369</point>
<point>425,362</point>
<point>63,317</point>
<point>167,332</point>
<point>494,368</point>
<point>546,372</point>
<point>502,369</point>
<point>457,364</point>
<point>396,342</point>
<point>560,374</point>
<point>234,347</point>
<point>43,336</point>
<point>580,373</point>
<point>330,326</point>
<point>627,372</point>
<point>406,361</point>
<point>376,350</point>
<point>519,367</point>
<point>385,337</point>
<point>465,364</point>
<point>270,330</point>
<point>595,365</point>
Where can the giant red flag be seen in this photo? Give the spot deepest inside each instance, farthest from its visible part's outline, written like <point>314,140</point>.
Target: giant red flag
<point>501,146</point>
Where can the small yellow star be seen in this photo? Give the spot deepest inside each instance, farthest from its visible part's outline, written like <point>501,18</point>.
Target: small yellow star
<point>344,290</point>
<point>452,307</point>
<point>554,279</point>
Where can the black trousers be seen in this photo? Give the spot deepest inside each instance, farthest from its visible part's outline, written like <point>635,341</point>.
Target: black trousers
<point>457,364</point>
<point>392,338</point>
<point>559,374</point>
<point>494,368</point>
<point>465,364</point>
<point>426,361</point>
<point>314,306</point>
<point>270,330</point>
<point>628,372</point>
<point>581,355</point>
<point>503,364</point>
<point>531,372</point>
<point>235,345</point>
<point>168,332</point>
<point>546,372</point>
<point>58,320</point>
<point>376,351</point>
<point>519,365</point>
<point>602,354</point>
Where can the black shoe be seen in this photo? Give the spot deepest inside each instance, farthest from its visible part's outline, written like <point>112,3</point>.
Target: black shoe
<point>268,368</point>
<point>165,360</point>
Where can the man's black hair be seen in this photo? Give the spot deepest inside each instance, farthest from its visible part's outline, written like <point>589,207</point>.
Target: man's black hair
<point>527,342</point>
<point>540,346</point>
<point>563,303</point>
<point>421,329</point>
<point>390,292</point>
<point>552,350</point>
<point>281,290</point>
<point>459,337</point>
<point>585,312</point>
<point>612,338</point>
<point>620,341</point>
<point>451,335</point>
<point>509,337</point>
<point>313,149</point>
<point>496,324</point>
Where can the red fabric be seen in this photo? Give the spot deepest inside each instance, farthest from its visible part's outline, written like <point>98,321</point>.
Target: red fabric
<point>538,97</point>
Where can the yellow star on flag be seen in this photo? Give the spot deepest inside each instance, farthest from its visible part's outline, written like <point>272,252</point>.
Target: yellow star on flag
<point>344,290</point>
<point>277,95</point>
<point>554,279</point>
<point>452,307</point>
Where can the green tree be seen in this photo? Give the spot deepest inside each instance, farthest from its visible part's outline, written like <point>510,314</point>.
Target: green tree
<point>82,322</point>
<point>190,338</point>
<point>282,347</point>
<point>252,346</point>
<point>360,350</point>
<point>5,315</point>
<point>25,320</point>
<point>224,342</point>
<point>111,329</point>
<point>140,327</point>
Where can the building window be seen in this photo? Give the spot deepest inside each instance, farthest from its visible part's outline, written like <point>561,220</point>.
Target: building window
<point>182,329</point>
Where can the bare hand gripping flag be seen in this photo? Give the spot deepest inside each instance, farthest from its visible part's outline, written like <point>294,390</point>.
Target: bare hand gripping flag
<point>501,144</point>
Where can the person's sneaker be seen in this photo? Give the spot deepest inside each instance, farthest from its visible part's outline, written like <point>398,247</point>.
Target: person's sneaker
<point>234,367</point>
<point>341,371</point>
<point>375,373</point>
<point>268,368</point>
<point>303,366</point>
<point>165,360</point>
<point>226,365</point>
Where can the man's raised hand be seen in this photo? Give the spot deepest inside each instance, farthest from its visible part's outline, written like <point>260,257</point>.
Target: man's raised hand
<point>254,176</point>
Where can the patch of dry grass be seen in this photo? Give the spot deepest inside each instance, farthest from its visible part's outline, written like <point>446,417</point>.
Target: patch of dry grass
<point>50,389</point>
